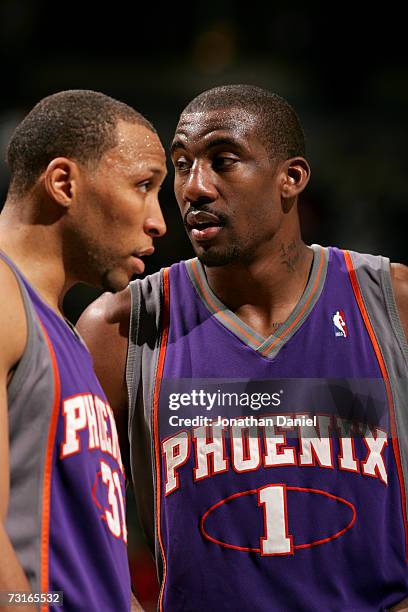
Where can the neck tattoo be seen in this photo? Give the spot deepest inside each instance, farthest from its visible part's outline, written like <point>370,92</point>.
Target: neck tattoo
<point>290,254</point>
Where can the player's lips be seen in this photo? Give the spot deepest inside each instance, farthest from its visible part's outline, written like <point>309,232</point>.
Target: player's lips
<point>138,266</point>
<point>203,225</point>
<point>145,252</point>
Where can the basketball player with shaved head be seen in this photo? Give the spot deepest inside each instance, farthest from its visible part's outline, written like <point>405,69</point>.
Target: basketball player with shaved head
<point>262,384</point>
<point>82,206</point>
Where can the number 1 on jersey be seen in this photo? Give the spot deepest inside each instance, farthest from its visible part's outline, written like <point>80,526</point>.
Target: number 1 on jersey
<point>276,540</point>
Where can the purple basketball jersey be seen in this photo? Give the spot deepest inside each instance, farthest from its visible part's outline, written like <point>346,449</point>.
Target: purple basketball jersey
<point>279,483</point>
<point>67,502</point>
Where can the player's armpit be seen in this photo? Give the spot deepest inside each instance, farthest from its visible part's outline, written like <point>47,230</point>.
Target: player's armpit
<point>104,326</point>
<point>399,277</point>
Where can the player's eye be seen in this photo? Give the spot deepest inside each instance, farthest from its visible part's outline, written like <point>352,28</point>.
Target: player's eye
<point>144,186</point>
<point>181,164</point>
<point>222,162</point>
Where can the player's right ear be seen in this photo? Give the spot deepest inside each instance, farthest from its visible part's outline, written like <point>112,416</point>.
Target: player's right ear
<point>59,180</point>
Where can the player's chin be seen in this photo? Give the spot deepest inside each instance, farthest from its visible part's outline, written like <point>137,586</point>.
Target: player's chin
<point>119,276</point>
<point>115,280</point>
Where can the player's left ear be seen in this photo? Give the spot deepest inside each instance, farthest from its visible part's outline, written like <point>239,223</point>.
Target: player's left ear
<point>60,178</point>
<point>296,175</point>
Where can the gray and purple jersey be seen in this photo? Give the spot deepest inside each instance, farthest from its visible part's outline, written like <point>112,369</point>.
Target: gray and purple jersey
<point>66,515</point>
<point>279,463</point>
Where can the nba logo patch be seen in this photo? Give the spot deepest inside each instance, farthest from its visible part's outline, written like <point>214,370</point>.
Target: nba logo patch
<point>339,324</point>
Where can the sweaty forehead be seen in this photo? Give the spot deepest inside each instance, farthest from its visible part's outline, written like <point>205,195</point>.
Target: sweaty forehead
<point>133,139</point>
<point>136,147</point>
<point>202,126</point>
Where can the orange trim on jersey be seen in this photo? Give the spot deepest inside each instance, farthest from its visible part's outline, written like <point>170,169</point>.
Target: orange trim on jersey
<point>46,493</point>
<point>217,310</point>
<point>267,349</point>
<point>384,373</point>
<point>159,374</point>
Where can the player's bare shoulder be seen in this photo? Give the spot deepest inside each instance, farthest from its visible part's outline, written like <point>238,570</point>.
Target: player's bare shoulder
<point>104,326</point>
<point>399,277</point>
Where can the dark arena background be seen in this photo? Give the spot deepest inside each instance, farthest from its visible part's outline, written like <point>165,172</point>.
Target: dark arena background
<point>343,70</point>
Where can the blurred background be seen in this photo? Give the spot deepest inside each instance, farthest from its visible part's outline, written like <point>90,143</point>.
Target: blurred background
<point>343,69</point>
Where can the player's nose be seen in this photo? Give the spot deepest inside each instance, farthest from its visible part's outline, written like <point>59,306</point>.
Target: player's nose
<point>199,184</point>
<point>155,225</point>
